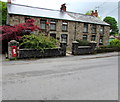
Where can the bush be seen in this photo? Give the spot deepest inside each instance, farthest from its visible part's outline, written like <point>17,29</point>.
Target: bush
<point>105,46</point>
<point>83,42</point>
<point>114,46</point>
<point>37,42</point>
<point>115,43</point>
<point>9,32</point>
<point>103,50</point>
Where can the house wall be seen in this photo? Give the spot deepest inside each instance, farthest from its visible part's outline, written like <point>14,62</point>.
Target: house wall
<point>75,29</point>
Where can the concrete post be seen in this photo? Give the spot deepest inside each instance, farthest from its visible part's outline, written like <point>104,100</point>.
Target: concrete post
<point>12,44</point>
<point>75,47</point>
<point>63,45</point>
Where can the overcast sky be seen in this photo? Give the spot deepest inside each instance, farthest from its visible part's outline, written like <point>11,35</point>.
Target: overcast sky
<point>104,8</point>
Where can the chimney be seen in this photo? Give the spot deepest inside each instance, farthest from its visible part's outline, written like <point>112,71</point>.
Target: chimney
<point>9,1</point>
<point>94,13</point>
<point>63,7</point>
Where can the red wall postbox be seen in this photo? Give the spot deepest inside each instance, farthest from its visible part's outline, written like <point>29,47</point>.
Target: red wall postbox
<point>14,51</point>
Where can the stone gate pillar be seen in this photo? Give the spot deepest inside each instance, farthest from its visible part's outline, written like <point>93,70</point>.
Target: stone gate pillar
<point>75,47</point>
<point>13,47</point>
<point>63,45</point>
<point>93,44</point>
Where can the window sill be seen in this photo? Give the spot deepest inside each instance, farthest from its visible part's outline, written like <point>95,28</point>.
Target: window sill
<point>94,33</point>
<point>64,31</point>
<point>85,32</point>
<point>43,29</point>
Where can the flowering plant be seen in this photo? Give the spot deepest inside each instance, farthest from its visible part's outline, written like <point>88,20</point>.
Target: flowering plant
<point>15,32</point>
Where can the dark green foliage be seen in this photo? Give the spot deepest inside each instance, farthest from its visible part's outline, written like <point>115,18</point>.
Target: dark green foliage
<point>105,46</point>
<point>113,24</point>
<point>114,46</point>
<point>3,10</point>
<point>83,42</point>
<point>103,50</point>
<point>37,42</point>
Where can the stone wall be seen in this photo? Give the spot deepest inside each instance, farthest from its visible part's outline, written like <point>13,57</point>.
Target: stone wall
<point>50,52</point>
<point>34,53</point>
<point>79,50</point>
<point>75,29</point>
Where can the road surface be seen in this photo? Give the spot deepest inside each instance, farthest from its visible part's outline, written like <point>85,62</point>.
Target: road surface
<point>90,77</point>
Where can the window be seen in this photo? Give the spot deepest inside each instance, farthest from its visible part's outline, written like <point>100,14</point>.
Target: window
<point>101,40</point>
<point>53,25</point>
<point>93,37</point>
<point>43,24</point>
<point>53,35</point>
<point>94,28</point>
<point>85,28</point>
<point>64,26</point>
<point>64,37</point>
<point>102,30</point>
<point>84,37</point>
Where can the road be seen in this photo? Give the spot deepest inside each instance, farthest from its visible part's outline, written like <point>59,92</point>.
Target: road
<point>90,77</point>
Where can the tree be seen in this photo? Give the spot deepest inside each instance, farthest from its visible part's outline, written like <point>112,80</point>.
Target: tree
<point>88,12</point>
<point>16,32</point>
<point>3,10</point>
<point>113,24</point>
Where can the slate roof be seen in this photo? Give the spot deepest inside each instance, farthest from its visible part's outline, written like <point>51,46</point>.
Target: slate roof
<point>55,14</point>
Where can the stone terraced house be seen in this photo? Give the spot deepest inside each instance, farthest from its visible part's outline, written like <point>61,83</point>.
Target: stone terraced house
<point>61,24</point>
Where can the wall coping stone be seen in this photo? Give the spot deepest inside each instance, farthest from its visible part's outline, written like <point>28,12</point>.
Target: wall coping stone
<point>75,42</point>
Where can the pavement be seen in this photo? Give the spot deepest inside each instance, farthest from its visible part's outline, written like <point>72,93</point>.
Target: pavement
<point>5,61</point>
<point>83,77</point>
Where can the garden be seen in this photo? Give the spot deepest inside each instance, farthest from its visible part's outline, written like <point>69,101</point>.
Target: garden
<point>42,45</point>
<point>23,34</point>
<point>113,46</point>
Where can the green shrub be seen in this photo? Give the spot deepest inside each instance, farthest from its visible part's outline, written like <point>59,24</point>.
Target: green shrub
<point>38,42</point>
<point>103,50</point>
<point>115,43</point>
<point>83,42</point>
<point>108,48</point>
<point>105,46</point>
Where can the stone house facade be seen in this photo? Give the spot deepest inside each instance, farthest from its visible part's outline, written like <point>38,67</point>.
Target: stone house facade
<point>61,24</point>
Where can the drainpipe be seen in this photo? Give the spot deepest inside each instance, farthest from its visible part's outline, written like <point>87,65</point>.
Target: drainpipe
<point>75,32</point>
<point>8,16</point>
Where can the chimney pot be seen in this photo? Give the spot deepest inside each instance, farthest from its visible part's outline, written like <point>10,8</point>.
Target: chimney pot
<point>9,1</point>
<point>94,13</point>
<point>63,7</point>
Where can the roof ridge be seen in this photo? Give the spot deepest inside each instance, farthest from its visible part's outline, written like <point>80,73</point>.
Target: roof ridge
<point>33,7</point>
<point>80,13</point>
<point>45,8</point>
